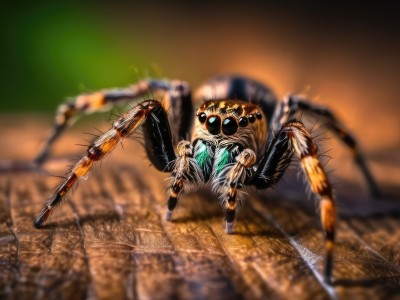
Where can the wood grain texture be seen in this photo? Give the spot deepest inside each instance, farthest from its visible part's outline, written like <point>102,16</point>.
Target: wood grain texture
<point>110,240</point>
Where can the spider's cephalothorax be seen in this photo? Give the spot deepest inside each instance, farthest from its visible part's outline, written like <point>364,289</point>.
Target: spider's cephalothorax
<point>241,136</point>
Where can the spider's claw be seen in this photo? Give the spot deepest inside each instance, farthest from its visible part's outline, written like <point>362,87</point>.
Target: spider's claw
<point>168,215</point>
<point>376,191</point>
<point>39,222</point>
<point>229,227</point>
<point>39,160</point>
<point>328,278</point>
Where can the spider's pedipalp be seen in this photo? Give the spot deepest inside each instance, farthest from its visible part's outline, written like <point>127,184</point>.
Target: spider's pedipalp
<point>234,179</point>
<point>185,171</point>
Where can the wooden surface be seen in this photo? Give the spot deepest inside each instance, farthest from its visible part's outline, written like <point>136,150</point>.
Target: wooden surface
<point>110,240</point>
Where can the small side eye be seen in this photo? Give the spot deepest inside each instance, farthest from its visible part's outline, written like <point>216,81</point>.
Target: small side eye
<point>214,124</point>
<point>202,117</point>
<point>229,126</point>
<point>252,118</point>
<point>243,122</point>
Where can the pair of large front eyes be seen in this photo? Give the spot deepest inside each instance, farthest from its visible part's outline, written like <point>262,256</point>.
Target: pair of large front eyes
<point>213,124</point>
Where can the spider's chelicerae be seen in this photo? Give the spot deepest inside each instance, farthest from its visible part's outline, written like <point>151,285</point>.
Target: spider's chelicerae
<point>240,135</point>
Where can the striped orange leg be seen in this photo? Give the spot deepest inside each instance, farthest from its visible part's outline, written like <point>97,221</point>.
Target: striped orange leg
<point>293,137</point>
<point>307,151</point>
<point>123,127</point>
<point>97,101</point>
<point>185,170</point>
<point>235,178</point>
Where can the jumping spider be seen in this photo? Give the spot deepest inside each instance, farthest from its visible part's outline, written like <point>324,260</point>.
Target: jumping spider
<point>241,136</point>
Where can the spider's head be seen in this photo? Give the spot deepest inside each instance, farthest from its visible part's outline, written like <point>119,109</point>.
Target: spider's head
<point>230,121</point>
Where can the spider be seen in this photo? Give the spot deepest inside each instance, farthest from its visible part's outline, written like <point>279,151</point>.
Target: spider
<point>240,136</point>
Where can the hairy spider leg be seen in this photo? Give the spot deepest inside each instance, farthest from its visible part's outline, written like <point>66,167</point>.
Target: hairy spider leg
<point>293,137</point>
<point>234,180</point>
<point>185,170</point>
<point>307,151</point>
<point>288,109</point>
<point>177,100</point>
<point>143,114</point>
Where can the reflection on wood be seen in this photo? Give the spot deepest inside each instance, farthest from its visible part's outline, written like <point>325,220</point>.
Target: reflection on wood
<point>110,241</point>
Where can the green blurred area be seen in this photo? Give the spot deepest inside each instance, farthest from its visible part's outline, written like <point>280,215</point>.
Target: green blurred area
<point>47,47</point>
<point>347,52</point>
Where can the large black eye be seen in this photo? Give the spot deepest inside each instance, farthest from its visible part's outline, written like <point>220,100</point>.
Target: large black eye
<point>229,126</point>
<point>214,124</point>
<point>202,117</point>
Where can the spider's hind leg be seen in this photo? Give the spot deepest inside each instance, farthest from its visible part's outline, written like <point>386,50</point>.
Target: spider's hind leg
<point>287,111</point>
<point>177,101</point>
<point>85,103</point>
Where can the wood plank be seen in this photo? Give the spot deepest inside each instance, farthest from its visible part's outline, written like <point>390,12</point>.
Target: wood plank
<point>110,240</point>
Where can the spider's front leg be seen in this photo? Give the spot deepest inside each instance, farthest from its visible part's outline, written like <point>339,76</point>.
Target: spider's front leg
<point>158,141</point>
<point>294,138</point>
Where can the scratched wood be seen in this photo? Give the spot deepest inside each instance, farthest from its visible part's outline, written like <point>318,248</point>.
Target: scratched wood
<point>110,241</point>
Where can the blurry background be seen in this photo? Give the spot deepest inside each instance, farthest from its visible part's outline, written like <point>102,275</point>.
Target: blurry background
<point>344,55</point>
